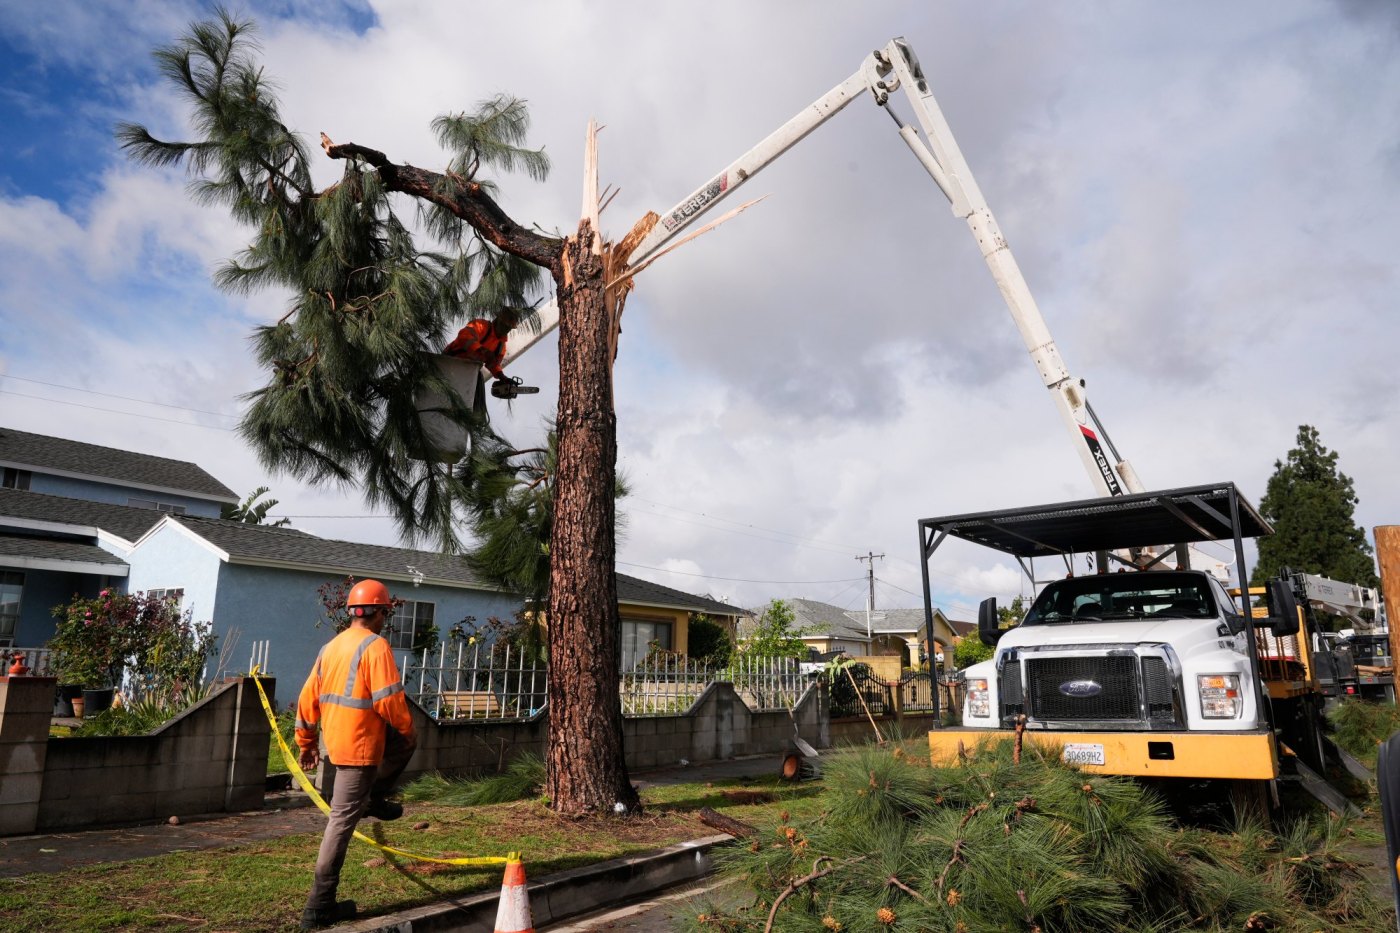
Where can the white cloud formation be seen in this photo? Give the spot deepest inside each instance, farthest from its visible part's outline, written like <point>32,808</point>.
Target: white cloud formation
<point>1200,202</point>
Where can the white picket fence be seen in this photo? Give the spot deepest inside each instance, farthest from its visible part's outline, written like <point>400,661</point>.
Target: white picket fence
<point>462,681</point>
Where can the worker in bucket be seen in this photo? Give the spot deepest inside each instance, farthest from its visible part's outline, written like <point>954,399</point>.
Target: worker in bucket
<point>354,698</point>
<point>484,342</point>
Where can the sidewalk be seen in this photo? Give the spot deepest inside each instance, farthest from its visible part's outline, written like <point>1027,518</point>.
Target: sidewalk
<point>285,813</point>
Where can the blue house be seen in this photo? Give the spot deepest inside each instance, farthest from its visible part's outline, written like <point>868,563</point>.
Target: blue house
<point>75,518</point>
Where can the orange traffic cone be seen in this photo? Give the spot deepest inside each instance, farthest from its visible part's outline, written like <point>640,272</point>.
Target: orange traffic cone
<point>513,912</point>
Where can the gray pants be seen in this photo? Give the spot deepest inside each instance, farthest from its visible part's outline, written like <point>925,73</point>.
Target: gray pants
<point>355,787</point>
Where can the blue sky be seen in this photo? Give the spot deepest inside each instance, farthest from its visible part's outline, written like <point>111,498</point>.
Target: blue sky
<point>1201,196</point>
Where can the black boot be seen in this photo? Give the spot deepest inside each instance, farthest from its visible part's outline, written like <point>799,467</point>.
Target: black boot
<point>382,809</point>
<point>315,917</point>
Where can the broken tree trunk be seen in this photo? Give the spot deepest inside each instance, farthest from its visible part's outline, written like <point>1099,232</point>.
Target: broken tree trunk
<point>586,769</point>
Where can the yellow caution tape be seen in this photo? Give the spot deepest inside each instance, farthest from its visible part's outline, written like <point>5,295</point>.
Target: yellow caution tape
<point>294,766</point>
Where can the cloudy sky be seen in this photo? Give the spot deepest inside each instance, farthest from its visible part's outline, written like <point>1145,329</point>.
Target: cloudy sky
<point>1202,196</point>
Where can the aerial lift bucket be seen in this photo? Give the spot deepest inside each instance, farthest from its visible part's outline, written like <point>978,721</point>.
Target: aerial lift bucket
<point>449,439</point>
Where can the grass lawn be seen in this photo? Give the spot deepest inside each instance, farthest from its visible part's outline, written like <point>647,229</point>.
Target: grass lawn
<point>262,886</point>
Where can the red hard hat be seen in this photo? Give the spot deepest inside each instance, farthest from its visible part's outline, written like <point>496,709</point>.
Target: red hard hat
<point>368,593</point>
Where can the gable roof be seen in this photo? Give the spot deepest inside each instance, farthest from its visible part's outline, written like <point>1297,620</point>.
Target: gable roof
<point>41,453</point>
<point>36,509</point>
<point>646,593</point>
<point>274,546</point>
<point>823,620</point>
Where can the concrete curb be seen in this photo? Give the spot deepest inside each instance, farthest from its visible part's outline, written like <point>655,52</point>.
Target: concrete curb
<point>559,896</point>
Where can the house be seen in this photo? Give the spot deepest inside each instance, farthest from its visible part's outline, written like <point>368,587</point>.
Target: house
<point>72,528</point>
<point>829,630</point>
<point>59,467</point>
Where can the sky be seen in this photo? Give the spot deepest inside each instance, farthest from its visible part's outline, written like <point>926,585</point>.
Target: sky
<point>1201,196</point>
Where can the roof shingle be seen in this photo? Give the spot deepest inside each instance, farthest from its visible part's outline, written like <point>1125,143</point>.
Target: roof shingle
<point>121,520</point>
<point>40,452</point>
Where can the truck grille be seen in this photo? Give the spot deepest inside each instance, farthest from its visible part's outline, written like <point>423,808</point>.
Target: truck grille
<point>1157,683</point>
<point>1118,697</point>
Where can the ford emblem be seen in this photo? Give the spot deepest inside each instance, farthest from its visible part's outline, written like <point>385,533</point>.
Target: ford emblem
<point>1081,688</point>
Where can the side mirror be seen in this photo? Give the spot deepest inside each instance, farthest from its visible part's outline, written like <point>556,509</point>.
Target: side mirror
<point>1283,618</point>
<point>988,622</point>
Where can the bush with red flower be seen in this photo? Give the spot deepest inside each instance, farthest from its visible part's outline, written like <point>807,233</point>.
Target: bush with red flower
<point>99,640</point>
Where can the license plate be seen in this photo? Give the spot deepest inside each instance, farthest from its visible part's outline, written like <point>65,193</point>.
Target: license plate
<point>1077,753</point>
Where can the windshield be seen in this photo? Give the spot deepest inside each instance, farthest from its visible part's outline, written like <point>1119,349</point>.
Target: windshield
<point>1142,595</point>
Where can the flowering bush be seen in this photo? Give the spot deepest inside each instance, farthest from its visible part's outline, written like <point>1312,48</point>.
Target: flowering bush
<point>99,638</point>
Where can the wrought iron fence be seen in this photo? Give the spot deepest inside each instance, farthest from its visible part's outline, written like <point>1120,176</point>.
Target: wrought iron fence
<point>856,690</point>
<point>916,692</point>
<point>472,681</point>
<point>667,684</point>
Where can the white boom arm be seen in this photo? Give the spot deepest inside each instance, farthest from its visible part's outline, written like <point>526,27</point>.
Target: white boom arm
<point>1343,599</point>
<point>897,68</point>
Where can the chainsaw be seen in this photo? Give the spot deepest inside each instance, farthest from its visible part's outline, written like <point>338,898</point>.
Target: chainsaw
<point>510,387</point>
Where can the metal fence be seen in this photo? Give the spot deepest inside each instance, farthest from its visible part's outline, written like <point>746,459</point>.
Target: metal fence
<point>668,684</point>
<point>469,681</point>
<point>461,681</point>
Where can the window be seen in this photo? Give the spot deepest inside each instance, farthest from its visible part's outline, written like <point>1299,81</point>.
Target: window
<point>176,593</point>
<point>158,506</point>
<point>411,623</point>
<point>15,479</point>
<point>637,638</point>
<point>11,587</point>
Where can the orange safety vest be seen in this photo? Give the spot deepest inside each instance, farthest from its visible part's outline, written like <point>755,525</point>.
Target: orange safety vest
<point>353,691</point>
<point>478,342</point>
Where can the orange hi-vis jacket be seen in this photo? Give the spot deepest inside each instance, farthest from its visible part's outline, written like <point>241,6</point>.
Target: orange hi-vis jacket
<point>353,690</point>
<point>478,342</point>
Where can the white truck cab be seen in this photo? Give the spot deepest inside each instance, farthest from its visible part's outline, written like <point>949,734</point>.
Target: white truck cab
<point>1140,668</point>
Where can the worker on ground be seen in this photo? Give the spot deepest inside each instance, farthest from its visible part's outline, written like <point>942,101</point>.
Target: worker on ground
<point>355,696</point>
<point>484,342</point>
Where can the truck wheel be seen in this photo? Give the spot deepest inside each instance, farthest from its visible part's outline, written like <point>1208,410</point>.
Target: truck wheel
<point>1252,802</point>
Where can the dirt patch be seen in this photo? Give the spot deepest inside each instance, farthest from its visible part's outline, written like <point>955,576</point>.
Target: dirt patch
<point>745,797</point>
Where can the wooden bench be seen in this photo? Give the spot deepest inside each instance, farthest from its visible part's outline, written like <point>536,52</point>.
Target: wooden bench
<point>469,704</point>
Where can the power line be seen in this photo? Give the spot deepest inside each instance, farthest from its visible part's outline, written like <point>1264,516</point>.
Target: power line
<point>706,576</point>
<point>734,531</point>
<point>730,521</point>
<point>115,411</point>
<point>124,398</point>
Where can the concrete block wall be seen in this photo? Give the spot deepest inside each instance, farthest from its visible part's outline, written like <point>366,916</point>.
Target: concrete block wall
<point>719,726</point>
<point>210,758</point>
<point>26,703</point>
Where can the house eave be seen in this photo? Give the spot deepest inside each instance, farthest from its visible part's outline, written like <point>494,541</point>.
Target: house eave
<point>118,481</point>
<point>18,562</point>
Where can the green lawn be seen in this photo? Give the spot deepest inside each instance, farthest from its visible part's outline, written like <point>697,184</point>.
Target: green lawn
<point>262,886</point>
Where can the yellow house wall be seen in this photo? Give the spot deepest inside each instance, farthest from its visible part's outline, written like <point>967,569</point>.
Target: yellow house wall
<point>679,619</point>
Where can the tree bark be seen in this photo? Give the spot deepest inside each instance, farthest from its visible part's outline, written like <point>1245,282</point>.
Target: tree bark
<point>585,765</point>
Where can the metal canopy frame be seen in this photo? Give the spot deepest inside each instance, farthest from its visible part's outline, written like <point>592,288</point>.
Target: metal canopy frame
<point>1086,526</point>
<point>1213,512</point>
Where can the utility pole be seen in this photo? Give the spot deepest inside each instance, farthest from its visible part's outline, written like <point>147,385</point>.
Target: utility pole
<point>870,558</point>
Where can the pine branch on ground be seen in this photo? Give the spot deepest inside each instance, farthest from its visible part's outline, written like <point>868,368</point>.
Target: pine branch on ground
<point>992,845</point>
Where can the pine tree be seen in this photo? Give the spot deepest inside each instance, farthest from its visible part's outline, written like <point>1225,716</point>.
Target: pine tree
<point>369,302</point>
<point>1311,505</point>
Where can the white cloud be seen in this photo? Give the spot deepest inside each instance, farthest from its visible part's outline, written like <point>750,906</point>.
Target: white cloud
<point>1200,204</point>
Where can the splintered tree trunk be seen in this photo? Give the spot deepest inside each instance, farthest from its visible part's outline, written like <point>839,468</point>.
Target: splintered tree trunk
<point>586,769</point>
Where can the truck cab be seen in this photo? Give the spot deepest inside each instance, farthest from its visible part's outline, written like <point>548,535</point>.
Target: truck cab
<point>1142,666</point>
<point>1139,650</point>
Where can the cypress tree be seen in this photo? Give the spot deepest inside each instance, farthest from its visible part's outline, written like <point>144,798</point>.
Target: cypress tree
<point>1311,505</point>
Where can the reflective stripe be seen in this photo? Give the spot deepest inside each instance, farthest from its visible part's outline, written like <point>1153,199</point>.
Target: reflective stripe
<point>386,692</point>
<point>305,726</point>
<point>335,699</point>
<point>354,671</point>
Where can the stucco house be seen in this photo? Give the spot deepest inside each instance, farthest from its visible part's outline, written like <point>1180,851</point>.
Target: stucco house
<point>902,633</point>
<point>253,582</point>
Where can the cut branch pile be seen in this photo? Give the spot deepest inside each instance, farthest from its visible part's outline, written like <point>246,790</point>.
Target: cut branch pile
<point>991,844</point>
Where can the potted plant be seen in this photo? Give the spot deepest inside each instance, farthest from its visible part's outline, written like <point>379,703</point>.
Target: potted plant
<point>89,646</point>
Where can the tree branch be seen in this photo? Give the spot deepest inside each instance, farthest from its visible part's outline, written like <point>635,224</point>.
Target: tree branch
<point>468,200</point>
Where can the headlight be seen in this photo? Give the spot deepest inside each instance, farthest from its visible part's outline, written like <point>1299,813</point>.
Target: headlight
<point>979,698</point>
<point>1220,696</point>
